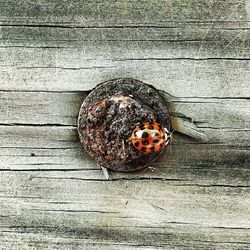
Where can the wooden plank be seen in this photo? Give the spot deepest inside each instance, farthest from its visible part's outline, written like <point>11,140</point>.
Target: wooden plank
<point>43,192</point>
<point>38,136</point>
<point>176,237</point>
<point>120,13</point>
<point>61,205</point>
<point>191,40</point>
<point>40,107</point>
<point>59,136</point>
<point>42,59</point>
<point>57,148</point>
<point>198,164</point>
<point>62,109</point>
<point>53,196</point>
<point>88,56</point>
<point>189,114</point>
<point>221,78</point>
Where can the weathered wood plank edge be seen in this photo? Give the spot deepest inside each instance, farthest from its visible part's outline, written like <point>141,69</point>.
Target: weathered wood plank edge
<point>214,165</point>
<point>166,75</point>
<point>171,24</point>
<point>131,59</point>
<point>197,124</point>
<point>166,226</point>
<point>61,109</point>
<point>33,237</point>
<point>85,92</point>
<point>171,81</point>
<point>97,177</point>
<point>181,58</point>
<point>74,128</point>
<point>185,41</point>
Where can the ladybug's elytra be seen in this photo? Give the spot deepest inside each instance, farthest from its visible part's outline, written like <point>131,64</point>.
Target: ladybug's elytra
<point>150,137</point>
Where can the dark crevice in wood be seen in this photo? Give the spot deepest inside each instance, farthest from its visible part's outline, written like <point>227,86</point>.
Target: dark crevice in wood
<point>199,125</point>
<point>221,242</point>
<point>182,116</point>
<point>125,40</point>
<point>34,47</point>
<point>75,211</point>
<point>178,115</point>
<point>85,92</point>
<point>60,202</point>
<point>37,148</point>
<point>68,25</point>
<point>38,125</point>
<point>208,98</point>
<point>232,228</point>
<point>186,224</point>
<point>183,58</point>
<point>201,97</point>
<point>135,178</point>
<point>77,26</point>
<point>50,169</point>
<point>182,182</point>
<point>20,197</point>
<point>184,25</point>
<point>177,101</point>
<point>65,68</point>
<point>216,185</point>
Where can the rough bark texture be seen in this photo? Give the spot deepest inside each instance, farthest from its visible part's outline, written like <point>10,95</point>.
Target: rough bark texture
<point>52,53</point>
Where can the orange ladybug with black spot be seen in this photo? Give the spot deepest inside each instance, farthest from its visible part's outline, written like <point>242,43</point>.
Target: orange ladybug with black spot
<point>150,137</point>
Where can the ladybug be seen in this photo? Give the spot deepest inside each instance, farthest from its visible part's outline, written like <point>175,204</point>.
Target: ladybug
<point>150,137</point>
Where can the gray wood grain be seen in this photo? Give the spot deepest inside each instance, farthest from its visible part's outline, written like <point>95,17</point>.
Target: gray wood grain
<point>119,13</point>
<point>195,115</point>
<point>221,78</point>
<point>86,61</point>
<point>53,196</point>
<point>123,212</point>
<point>57,148</point>
<point>53,108</point>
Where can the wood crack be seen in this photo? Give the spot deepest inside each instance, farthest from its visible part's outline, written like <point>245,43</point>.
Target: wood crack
<point>38,125</point>
<point>67,25</point>
<point>183,58</point>
<point>76,211</point>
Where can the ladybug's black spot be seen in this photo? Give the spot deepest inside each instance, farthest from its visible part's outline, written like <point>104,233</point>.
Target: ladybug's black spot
<point>144,135</point>
<point>142,127</point>
<point>145,142</point>
<point>151,127</point>
<point>156,134</point>
<point>152,148</point>
<point>163,137</point>
<point>160,127</point>
<point>136,144</point>
<point>155,141</point>
<point>144,149</point>
<point>138,153</point>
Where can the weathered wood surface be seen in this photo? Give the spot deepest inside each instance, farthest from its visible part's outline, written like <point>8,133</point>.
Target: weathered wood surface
<point>53,196</point>
<point>92,58</point>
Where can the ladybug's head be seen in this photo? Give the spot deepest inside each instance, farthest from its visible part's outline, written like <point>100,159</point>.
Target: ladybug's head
<point>169,136</point>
